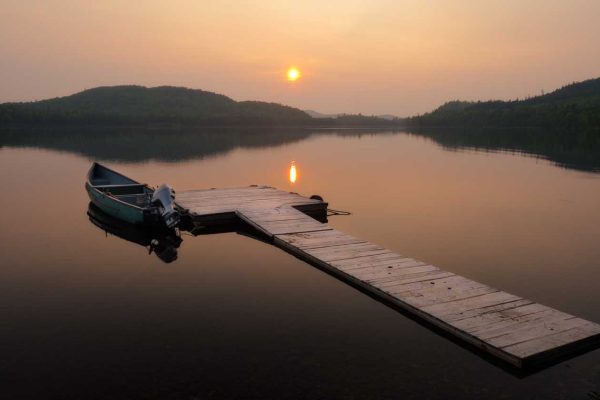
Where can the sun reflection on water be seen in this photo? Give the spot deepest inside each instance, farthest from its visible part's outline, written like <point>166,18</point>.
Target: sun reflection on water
<point>293,172</point>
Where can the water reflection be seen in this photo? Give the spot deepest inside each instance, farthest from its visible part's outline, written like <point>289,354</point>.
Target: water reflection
<point>293,173</point>
<point>577,150</point>
<point>165,242</point>
<point>138,144</point>
<point>574,150</point>
<point>162,242</point>
<point>77,305</point>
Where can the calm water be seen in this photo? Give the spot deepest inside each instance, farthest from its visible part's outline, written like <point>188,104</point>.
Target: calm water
<point>86,315</point>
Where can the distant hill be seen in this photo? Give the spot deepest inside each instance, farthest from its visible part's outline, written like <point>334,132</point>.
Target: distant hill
<point>168,105</point>
<point>388,116</point>
<point>358,120</point>
<point>316,114</point>
<point>138,104</point>
<point>575,106</point>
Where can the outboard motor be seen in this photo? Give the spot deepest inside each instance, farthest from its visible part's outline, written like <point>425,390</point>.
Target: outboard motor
<point>163,199</point>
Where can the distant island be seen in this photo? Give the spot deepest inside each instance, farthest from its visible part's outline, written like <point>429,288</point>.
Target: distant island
<point>167,105</point>
<point>575,106</point>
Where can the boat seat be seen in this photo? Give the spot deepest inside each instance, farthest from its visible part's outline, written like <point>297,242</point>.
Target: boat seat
<point>117,186</point>
<point>130,189</point>
<point>140,200</point>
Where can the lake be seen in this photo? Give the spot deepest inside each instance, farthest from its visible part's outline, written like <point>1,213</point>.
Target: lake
<point>88,315</point>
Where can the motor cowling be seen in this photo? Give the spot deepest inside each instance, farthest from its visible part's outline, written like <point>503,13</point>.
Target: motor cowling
<point>163,198</point>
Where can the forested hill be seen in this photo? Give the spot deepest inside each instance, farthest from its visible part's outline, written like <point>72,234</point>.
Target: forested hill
<point>138,104</point>
<point>575,106</point>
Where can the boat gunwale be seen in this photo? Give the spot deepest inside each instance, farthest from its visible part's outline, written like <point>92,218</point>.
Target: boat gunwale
<point>113,198</point>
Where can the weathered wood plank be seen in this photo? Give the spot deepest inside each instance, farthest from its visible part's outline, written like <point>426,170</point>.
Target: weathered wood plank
<point>533,330</point>
<point>446,284</point>
<point>343,248</point>
<point>335,241</point>
<point>428,277</point>
<point>540,345</point>
<point>387,276</point>
<point>450,310</point>
<point>369,261</point>
<point>440,296</point>
<point>395,276</point>
<point>297,230</point>
<point>502,317</point>
<point>347,251</point>
<point>315,240</point>
<point>300,219</point>
<point>506,321</point>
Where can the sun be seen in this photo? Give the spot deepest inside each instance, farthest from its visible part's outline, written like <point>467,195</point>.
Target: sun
<point>293,74</point>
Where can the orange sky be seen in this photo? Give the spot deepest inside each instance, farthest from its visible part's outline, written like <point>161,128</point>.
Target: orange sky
<point>373,56</point>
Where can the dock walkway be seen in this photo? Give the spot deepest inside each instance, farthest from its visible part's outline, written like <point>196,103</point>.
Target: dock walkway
<point>518,331</point>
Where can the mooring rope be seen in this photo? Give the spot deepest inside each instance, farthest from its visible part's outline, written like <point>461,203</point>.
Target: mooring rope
<point>332,212</point>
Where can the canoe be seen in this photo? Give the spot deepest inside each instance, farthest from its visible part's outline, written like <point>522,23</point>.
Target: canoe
<point>129,200</point>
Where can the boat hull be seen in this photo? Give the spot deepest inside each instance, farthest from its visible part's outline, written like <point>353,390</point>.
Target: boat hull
<point>116,208</point>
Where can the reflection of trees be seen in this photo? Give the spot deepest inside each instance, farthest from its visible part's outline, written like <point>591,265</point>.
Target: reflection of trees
<point>579,150</point>
<point>135,144</point>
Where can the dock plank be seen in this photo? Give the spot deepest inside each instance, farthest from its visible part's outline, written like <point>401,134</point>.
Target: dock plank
<point>540,346</point>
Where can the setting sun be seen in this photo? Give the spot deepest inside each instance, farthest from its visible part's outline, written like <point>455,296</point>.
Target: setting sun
<point>293,74</point>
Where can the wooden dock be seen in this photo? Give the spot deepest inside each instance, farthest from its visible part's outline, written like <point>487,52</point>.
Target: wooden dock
<point>518,331</point>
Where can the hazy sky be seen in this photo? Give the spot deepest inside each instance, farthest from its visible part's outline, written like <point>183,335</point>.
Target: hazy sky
<point>373,56</point>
